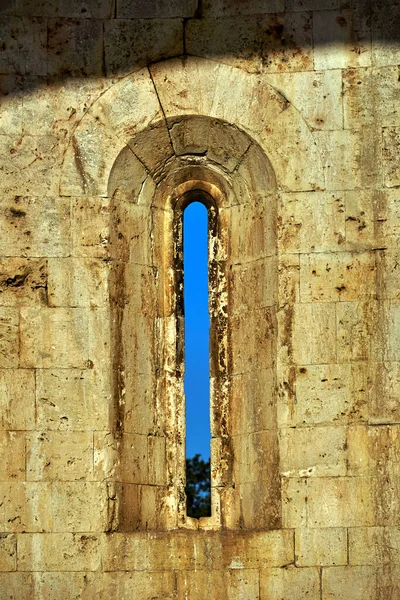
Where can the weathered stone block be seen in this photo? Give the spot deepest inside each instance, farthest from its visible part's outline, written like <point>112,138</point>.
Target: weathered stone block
<point>8,552</point>
<point>35,227</point>
<point>314,333</point>
<point>340,583</point>
<point>290,583</point>
<point>340,152</point>
<point>23,282</point>
<point>340,502</point>
<point>260,277</point>
<point>12,450</point>
<point>326,394</point>
<point>234,41</point>
<point>391,149</point>
<point>224,8</point>
<point>368,224</point>
<point>54,337</point>
<point>337,277</point>
<point>17,586</point>
<point>25,507</point>
<point>321,547</point>
<point>11,104</point>
<point>90,218</point>
<point>355,326</point>
<point>140,9</point>
<point>59,456</point>
<point>79,506</point>
<point>256,238</point>
<point>252,341</point>
<point>29,165</point>
<point>317,95</point>
<point>17,399</point>
<point>385,34</point>
<point>135,43</point>
<point>9,337</point>
<point>341,39</point>
<point>72,399</point>
<point>294,502</point>
<point>253,399</point>
<point>287,42</point>
<point>96,9</point>
<point>59,552</point>
<point>24,52</point>
<point>77,282</point>
<point>374,545</point>
<point>384,407</point>
<point>241,583</point>
<point>313,452</point>
<point>75,47</point>
<point>143,585</point>
<point>311,222</point>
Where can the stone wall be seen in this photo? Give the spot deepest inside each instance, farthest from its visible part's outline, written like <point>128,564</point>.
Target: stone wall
<point>287,114</point>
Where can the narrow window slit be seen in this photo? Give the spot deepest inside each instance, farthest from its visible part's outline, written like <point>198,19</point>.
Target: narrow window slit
<point>197,359</point>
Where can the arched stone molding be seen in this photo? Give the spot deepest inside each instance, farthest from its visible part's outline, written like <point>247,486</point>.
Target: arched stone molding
<point>193,86</point>
<point>144,155</point>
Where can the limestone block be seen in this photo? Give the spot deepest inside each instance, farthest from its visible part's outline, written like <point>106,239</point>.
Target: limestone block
<point>368,224</point>
<point>145,586</point>
<point>287,43</point>
<point>224,8</point>
<point>316,95</point>
<point>337,277</point>
<point>75,47</point>
<point>9,337</point>
<point>314,333</point>
<point>12,451</point>
<point>315,394</point>
<point>374,545</point>
<point>355,326</point>
<point>153,145</point>
<point>257,276</point>
<point>79,506</point>
<point>254,454</point>
<point>96,9</point>
<point>100,341</point>
<point>106,455</point>
<point>391,149</point>
<point>55,455</point>
<point>340,152</point>
<point>25,507</point>
<point>253,399</point>
<point>311,222</point>
<point>56,109</point>
<point>157,460</point>
<point>299,5</point>
<point>313,452</point>
<point>341,39</point>
<point>8,552</point>
<point>88,159</point>
<point>72,399</point>
<point>29,165</point>
<point>340,583</point>
<point>388,274</point>
<point>340,502</point>
<point>11,104</point>
<point>321,547</point>
<point>385,406</point>
<point>71,586</point>
<point>255,238</point>
<point>386,341</point>
<point>17,399</point>
<point>385,34</point>
<point>35,227</point>
<point>129,44</point>
<point>143,412</point>
<point>237,583</point>
<point>24,50</point>
<point>302,584</point>
<point>288,279</point>
<point>294,502</point>
<point>374,450</point>
<point>234,41</point>
<point>23,281</point>
<point>371,94</point>
<point>252,341</point>
<point>90,218</point>
<point>54,337</point>
<point>17,586</point>
<point>134,458</point>
<point>140,9</point>
<point>78,282</point>
<point>59,552</point>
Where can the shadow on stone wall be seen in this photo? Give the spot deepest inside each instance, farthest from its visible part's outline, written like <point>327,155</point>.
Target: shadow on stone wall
<point>42,42</point>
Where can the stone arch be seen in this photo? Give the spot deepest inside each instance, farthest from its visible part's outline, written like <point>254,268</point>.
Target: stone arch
<point>143,148</point>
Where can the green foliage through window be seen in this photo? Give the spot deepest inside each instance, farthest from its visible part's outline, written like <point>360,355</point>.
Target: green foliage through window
<point>198,487</point>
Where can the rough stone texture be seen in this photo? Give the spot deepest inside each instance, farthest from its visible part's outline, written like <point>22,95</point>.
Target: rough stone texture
<point>288,115</point>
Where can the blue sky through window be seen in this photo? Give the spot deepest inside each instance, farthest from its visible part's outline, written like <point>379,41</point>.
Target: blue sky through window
<point>197,330</point>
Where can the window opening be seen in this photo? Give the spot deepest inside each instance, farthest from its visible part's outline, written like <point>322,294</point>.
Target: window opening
<point>197,359</point>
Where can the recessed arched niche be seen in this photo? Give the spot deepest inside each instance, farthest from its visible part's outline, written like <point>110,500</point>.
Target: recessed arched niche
<point>160,170</point>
